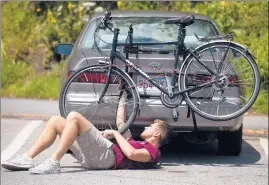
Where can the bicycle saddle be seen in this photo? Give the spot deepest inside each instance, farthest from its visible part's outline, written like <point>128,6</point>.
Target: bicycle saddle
<point>186,20</point>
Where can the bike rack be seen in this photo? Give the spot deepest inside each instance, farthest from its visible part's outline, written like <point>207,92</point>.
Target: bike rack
<point>190,111</point>
<point>131,49</point>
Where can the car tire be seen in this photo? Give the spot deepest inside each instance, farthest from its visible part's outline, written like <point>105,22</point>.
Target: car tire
<point>230,142</point>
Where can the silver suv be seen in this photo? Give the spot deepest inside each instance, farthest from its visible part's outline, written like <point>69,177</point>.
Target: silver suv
<point>194,128</point>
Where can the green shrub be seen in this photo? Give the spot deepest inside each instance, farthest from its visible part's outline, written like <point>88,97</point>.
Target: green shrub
<point>20,80</point>
<point>261,103</point>
<point>43,24</point>
<point>248,20</point>
<point>15,73</point>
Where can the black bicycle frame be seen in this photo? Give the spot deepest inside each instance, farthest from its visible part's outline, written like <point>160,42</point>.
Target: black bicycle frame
<point>147,77</point>
<point>181,50</point>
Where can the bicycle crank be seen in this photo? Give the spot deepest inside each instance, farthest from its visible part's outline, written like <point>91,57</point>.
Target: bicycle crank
<point>171,102</point>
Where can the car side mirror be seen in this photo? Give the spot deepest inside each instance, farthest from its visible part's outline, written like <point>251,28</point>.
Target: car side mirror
<point>64,48</point>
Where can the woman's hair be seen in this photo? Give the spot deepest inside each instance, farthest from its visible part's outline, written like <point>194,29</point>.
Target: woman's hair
<point>166,132</point>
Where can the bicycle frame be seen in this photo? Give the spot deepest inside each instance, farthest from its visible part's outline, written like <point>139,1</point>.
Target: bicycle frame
<point>181,50</point>
<point>147,77</point>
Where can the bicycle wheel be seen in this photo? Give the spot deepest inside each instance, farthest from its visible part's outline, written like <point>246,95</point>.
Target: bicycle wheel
<point>237,86</point>
<point>82,90</point>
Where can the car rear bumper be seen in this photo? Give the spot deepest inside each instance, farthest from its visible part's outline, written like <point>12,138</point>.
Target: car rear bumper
<point>157,110</point>
<point>152,108</point>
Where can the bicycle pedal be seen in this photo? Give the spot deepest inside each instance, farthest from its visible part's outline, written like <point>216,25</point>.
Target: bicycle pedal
<point>175,115</point>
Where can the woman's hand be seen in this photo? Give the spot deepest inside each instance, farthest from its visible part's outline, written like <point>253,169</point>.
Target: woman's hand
<point>108,133</point>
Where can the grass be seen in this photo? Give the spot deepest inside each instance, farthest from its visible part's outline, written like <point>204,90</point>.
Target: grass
<point>21,80</point>
<point>261,104</point>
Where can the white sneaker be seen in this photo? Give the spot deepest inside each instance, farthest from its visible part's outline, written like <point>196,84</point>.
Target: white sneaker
<point>21,162</point>
<point>49,166</point>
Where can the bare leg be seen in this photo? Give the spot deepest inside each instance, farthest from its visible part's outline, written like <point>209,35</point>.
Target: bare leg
<point>75,125</point>
<point>53,128</point>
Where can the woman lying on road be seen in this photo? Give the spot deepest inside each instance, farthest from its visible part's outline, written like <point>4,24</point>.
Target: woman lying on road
<point>91,147</point>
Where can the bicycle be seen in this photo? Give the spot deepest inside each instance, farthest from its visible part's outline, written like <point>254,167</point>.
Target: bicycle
<point>206,91</point>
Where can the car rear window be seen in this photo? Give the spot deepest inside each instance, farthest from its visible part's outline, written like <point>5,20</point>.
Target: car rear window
<point>146,29</point>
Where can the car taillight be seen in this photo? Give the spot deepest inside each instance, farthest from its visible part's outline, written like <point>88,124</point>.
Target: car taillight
<point>233,79</point>
<point>69,73</point>
<point>91,77</point>
<point>94,77</point>
<point>201,78</point>
<point>198,79</point>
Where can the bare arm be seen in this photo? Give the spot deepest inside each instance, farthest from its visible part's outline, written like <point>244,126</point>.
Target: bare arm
<point>121,116</point>
<point>140,155</point>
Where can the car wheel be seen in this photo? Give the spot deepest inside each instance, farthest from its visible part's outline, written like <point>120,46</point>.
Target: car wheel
<point>230,143</point>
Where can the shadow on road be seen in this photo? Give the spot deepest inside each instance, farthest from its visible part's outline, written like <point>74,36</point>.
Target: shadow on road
<point>182,153</point>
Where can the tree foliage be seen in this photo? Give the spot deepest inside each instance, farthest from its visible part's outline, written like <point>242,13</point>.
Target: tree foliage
<point>30,30</point>
<point>248,20</point>
<point>20,30</point>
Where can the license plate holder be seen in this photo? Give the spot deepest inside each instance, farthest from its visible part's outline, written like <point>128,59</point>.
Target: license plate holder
<point>144,87</point>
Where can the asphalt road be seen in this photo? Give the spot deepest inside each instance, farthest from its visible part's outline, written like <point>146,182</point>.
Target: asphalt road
<point>181,163</point>
<point>23,108</point>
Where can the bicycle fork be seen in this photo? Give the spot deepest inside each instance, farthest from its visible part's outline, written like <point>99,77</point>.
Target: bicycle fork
<point>112,57</point>
<point>106,85</point>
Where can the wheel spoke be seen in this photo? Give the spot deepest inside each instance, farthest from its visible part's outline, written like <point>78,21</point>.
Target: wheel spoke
<point>200,89</point>
<point>236,83</point>
<point>208,95</point>
<point>243,97</point>
<point>229,66</point>
<point>241,71</point>
<point>213,58</point>
<point>93,85</point>
<point>222,60</point>
<point>82,97</point>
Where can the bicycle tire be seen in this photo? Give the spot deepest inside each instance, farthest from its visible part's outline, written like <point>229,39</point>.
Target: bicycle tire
<point>236,48</point>
<point>90,71</point>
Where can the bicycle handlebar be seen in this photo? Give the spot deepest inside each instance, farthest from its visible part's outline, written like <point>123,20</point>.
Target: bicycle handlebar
<point>105,20</point>
<point>107,15</point>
